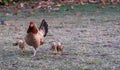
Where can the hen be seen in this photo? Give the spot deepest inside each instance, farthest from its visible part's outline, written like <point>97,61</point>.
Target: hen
<point>35,36</point>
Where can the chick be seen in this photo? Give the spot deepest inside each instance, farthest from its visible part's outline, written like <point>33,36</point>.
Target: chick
<point>57,47</point>
<point>60,47</point>
<point>54,48</point>
<point>21,45</point>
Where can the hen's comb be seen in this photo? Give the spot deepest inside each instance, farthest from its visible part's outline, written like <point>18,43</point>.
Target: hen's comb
<point>31,24</point>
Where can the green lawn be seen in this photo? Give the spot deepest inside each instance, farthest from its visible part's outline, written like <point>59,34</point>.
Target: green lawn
<point>91,40</point>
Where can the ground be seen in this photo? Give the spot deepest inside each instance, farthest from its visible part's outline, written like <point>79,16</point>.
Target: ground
<point>91,42</point>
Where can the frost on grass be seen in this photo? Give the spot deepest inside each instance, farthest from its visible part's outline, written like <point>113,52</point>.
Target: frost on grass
<point>91,43</point>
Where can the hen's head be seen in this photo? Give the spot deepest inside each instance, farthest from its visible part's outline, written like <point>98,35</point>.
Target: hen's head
<point>32,28</point>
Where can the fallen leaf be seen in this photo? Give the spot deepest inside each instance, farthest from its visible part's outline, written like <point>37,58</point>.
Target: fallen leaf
<point>9,24</point>
<point>58,5</point>
<point>78,13</point>
<point>17,27</point>
<point>72,7</point>
<point>19,38</point>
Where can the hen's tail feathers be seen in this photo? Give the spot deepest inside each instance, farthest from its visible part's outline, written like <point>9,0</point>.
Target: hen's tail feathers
<point>44,26</point>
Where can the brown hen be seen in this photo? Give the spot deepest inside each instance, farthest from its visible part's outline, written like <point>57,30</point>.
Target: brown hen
<point>35,36</point>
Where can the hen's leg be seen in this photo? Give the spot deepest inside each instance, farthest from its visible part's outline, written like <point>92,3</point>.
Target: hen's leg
<point>34,52</point>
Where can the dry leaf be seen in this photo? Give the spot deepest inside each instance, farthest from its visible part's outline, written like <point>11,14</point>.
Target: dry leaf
<point>17,27</point>
<point>78,13</point>
<point>72,7</point>
<point>9,24</point>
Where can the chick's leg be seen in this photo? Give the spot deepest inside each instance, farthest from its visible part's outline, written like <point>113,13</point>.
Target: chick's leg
<point>23,50</point>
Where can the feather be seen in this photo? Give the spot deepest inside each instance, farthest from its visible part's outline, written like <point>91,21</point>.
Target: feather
<point>44,27</point>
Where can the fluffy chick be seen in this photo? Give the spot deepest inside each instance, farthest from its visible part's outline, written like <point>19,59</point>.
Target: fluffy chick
<point>21,45</point>
<point>60,47</point>
<point>57,47</point>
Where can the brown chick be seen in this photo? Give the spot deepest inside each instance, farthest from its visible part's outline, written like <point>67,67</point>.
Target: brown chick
<point>21,45</point>
<point>60,47</point>
<point>54,48</point>
<point>57,47</point>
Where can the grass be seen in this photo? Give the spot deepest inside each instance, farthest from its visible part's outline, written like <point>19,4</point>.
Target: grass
<point>91,40</point>
<point>88,9</point>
